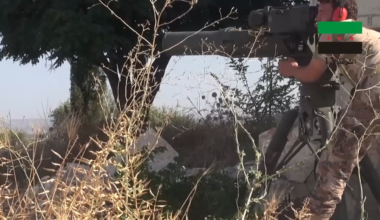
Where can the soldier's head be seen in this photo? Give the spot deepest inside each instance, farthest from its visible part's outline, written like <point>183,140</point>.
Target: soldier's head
<point>326,9</point>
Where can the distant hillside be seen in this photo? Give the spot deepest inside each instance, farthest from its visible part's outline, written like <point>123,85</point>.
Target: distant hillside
<point>27,125</point>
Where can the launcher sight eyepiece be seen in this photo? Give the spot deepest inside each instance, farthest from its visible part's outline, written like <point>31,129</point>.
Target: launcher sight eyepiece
<point>285,20</point>
<point>273,32</point>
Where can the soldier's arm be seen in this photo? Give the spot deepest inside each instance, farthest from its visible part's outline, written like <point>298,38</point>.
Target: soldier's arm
<point>316,67</point>
<point>311,72</point>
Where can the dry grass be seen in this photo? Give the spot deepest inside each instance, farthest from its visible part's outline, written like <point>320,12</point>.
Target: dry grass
<point>40,183</point>
<point>39,180</point>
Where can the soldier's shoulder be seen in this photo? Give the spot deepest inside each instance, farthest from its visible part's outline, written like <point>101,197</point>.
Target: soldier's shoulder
<point>366,35</point>
<point>370,31</point>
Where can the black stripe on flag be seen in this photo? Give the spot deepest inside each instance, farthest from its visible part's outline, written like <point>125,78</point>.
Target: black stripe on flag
<point>340,47</point>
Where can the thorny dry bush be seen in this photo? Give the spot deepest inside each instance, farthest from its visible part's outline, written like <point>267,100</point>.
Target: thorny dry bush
<point>273,205</point>
<point>254,178</point>
<point>90,192</point>
<point>52,188</point>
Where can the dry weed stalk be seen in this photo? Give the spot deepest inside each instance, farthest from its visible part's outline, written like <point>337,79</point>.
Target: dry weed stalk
<point>89,190</point>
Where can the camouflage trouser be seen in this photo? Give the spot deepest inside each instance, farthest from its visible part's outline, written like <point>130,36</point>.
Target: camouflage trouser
<point>345,149</point>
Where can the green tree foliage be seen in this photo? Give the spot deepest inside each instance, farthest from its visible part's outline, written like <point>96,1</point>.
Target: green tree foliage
<point>74,30</point>
<point>217,196</point>
<point>59,114</point>
<point>255,104</point>
<point>84,30</point>
<point>88,87</point>
<point>13,138</point>
<point>271,95</point>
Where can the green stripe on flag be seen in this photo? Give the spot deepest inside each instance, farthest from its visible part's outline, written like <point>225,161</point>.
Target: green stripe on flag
<point>332,27</point>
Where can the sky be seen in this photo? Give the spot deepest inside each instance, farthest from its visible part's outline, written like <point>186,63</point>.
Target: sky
<point>32,91</point>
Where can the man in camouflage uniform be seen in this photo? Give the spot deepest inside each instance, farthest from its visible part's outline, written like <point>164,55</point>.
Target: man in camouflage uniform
<point>344,151</point>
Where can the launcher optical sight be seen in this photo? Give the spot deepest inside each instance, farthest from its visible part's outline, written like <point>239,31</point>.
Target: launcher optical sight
<point>284,31</point>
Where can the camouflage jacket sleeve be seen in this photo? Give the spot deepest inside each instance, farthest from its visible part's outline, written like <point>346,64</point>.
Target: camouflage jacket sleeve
<point>365,64</point>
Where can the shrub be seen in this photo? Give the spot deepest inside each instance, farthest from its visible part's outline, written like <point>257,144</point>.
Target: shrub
<point>13,138</point>
<point>213,194</point>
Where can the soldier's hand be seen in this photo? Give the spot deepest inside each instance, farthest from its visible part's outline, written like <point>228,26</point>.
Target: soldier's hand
<point>287,67</point>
